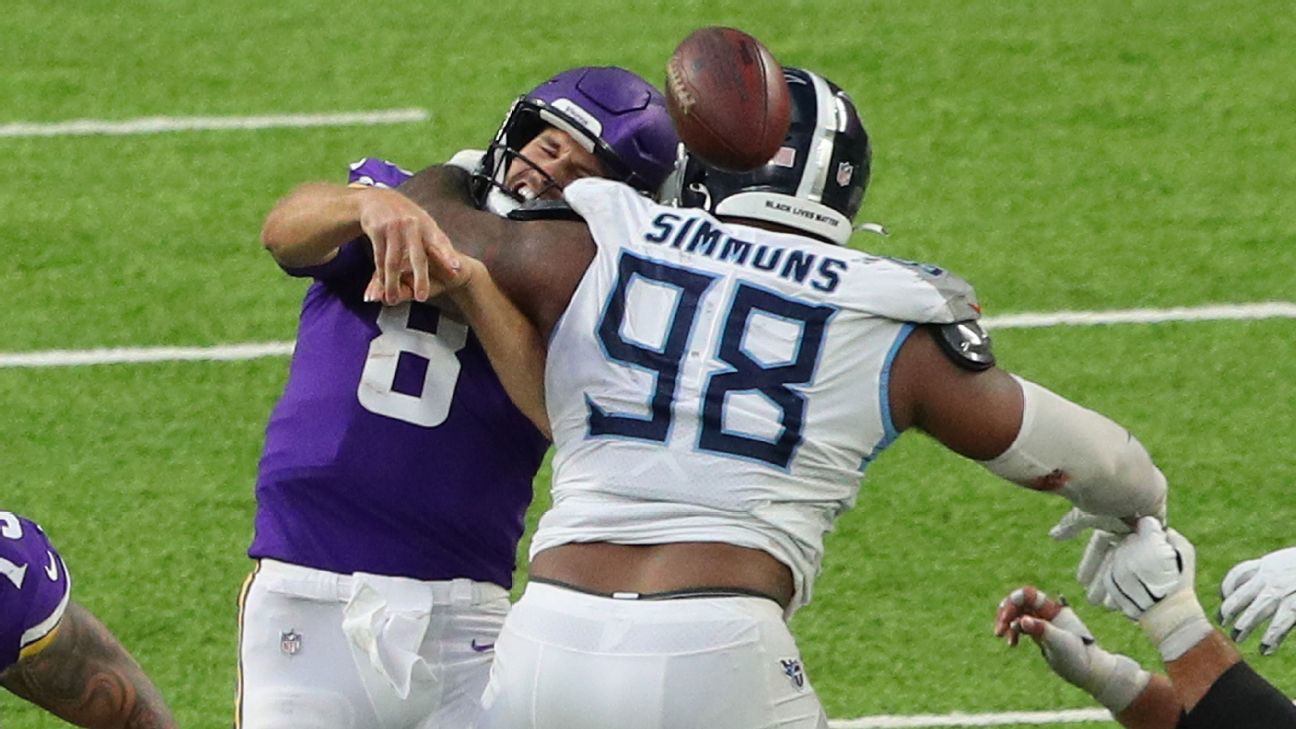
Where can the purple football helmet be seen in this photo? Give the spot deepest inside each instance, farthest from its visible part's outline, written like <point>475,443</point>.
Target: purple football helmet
<point>612,113</point>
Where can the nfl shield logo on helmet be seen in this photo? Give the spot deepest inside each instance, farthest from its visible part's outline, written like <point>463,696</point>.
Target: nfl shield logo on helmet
<point>845,171</point>
<point>792,668</point>
<point>290,642</point>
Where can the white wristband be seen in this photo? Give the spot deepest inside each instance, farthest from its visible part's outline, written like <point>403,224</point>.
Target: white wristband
<point>1176,624</point>
<point>1117,681</point>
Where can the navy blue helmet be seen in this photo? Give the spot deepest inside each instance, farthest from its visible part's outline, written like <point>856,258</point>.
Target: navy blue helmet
<point>814,184</point>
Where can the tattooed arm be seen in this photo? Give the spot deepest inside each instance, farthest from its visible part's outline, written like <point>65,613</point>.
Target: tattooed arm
<point>85,676</point>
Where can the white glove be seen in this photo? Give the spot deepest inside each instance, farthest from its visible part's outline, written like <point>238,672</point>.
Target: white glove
<point>1259,589</point>
<point>1151,580</point>
<point>1071,651</point>
<point>1095,563</point>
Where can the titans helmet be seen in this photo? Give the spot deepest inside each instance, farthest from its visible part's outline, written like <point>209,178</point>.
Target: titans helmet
<point>612,113</point>
<point>814,184</point>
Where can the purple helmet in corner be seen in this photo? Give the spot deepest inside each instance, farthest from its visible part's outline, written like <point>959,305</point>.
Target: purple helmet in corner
<point>610,112</point>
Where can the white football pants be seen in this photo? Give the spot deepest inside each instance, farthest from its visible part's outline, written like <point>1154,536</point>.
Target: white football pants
<point>569,660</point>
<point>319,650</point>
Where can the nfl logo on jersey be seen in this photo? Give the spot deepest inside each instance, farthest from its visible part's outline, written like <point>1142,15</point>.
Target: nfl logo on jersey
<point>290,642</point>
<point>792,667</point>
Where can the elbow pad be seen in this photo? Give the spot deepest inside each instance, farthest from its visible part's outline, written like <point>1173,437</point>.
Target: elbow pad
<point>1082,455</point>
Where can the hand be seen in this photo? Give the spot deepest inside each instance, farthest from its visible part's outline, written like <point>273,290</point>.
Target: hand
<point>1151,580</point>
<point>1259,589</point>
<point>1148,567</point>
<point>1069,648</point>
<point>374,290</point>
<point>1095,563</point>
<point>406,240</point>
<point>1028,600</point>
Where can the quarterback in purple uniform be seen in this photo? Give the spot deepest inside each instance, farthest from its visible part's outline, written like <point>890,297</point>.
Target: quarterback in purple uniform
<point>53,652</point>
<point>383,570</point>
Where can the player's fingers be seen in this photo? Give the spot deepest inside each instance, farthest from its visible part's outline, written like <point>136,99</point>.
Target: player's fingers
<point>418,261</point>
<point>1013,636</point>
<point>1053,642</point>
<point>1241,572</point>
<point>1150,527</point>
<point>1240,600</point>
<point>1096,587</point>
<point>1022,601</point>
<point>1283,621</point>
<point>1100,543</point>
<point>1036,628</point>
<point>1072,523</point>
<point>373,291</point>
<point>394,263</point>
<point>407,288</point>
<point>1260,610</point>
<point>444,253</point>
<point>378,241</point>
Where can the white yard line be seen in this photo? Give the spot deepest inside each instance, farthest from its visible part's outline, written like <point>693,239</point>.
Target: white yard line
<point>160,124</point>
<point>917,721</point>
<point>1262,310</point>
<point>225,352</point>
<point>120,355</point>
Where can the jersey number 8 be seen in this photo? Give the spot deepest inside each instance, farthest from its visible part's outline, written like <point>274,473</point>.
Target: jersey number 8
<point>411,370</point>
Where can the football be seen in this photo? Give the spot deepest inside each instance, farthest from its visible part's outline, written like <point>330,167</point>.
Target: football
<point>728,98</point>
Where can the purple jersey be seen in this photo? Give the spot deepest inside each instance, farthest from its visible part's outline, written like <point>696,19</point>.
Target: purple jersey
<point>394,449</point>
<point>34,586</point>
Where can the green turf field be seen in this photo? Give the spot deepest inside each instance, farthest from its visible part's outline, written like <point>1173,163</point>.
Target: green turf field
<point>1062,156</point>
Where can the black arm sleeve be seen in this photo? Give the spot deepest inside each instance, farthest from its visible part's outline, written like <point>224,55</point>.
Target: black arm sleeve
<point>1241,699</point>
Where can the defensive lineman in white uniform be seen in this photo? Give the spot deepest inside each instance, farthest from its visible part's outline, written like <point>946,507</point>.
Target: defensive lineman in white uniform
<point>748,386</point>
<point>717,379</point>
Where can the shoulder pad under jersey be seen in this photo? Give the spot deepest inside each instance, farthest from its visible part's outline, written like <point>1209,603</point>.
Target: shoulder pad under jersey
<point>372,172</point>
<point>967,344</point>
<point>912,292</point>
<point>544,210</point>
<point>468,160</point>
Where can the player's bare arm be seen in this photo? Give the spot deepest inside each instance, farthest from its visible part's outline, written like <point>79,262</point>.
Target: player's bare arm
<point>307,226</point>
<point>514,346</point>
<point>537,264</point>
<point>1024,433</point>
<point>86,677</point>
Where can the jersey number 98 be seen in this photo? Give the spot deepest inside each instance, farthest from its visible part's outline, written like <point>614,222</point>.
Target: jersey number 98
<point>743,373</point>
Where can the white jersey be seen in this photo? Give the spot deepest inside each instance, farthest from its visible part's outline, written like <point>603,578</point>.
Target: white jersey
<point>723,383</point>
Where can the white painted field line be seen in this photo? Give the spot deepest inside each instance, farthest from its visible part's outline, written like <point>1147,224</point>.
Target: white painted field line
<point>1262,310</point>
<point>70,358</point>
<point>73,358</point>
<point>160,124</point>
<point>917,721</point>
